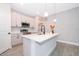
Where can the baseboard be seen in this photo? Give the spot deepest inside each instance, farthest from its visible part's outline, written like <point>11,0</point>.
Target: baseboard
<point>3,50</point>
<point>71,43</point>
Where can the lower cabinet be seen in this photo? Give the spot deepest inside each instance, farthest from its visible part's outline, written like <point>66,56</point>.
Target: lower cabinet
<point>16,39</point>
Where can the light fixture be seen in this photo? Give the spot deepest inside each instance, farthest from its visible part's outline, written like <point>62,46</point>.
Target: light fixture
<point>46,14</point>
<point>54,20</point>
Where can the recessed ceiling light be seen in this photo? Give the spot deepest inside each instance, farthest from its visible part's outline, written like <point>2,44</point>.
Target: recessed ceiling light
<point>46,14</point>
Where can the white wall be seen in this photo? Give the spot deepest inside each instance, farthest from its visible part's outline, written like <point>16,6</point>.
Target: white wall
<point>68,25</point>
<point>5,27</point>
<point>65,6</point>
<point>50,20</point>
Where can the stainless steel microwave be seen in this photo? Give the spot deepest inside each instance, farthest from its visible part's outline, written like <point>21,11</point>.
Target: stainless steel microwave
<point>25,24</point>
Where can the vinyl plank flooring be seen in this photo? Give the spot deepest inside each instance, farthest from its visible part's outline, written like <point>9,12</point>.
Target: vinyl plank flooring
<point>61,49</point>
<point>15,51</point>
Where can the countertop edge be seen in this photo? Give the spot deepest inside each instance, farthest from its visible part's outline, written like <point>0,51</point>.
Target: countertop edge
<point>40,42</point>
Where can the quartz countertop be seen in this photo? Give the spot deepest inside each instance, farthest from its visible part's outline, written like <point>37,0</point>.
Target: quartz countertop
<point>40,38</point>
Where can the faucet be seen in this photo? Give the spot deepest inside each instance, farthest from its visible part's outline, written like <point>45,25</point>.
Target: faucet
<point>43,29</point>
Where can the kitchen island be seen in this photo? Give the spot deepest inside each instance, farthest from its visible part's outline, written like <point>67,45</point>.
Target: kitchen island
<point>39,45</point>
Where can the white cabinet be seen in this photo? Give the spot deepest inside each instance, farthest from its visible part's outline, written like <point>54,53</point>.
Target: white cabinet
<point>18,19</point>
<point>15,19</point>
<point>23,18</point>
<point>16,39</point>
<point>31,21</point>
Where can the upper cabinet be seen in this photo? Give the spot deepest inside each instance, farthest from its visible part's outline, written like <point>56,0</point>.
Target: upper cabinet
<point>15,19</point>
<point>31,20</point>
<point>18,18</point>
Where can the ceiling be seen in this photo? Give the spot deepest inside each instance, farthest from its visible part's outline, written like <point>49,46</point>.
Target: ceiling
<point>33,9</point>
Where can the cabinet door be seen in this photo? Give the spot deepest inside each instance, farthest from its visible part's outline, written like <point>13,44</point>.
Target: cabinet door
<point>13,18</point>
<point>23,18</point>
<point>13,39</point>
<point>32,22</point>
<point>18,19</point>
<point>16,39</point>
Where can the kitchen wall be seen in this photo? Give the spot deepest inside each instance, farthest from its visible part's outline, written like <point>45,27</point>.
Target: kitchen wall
<point>50,21</point>
<point>5,27</point>
<point>68,26</point>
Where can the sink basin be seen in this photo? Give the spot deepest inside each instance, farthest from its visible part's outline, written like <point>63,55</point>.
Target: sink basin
<point>40,34</point>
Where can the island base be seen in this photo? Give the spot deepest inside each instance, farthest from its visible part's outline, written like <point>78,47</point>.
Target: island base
<point>33,48</point>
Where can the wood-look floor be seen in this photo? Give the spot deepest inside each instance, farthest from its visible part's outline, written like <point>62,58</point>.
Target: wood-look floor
<point>15,51</point>
<point>63,49</point>
<point>60,50</point>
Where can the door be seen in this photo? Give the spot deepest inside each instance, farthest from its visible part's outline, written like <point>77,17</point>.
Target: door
<point>5,27</point>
